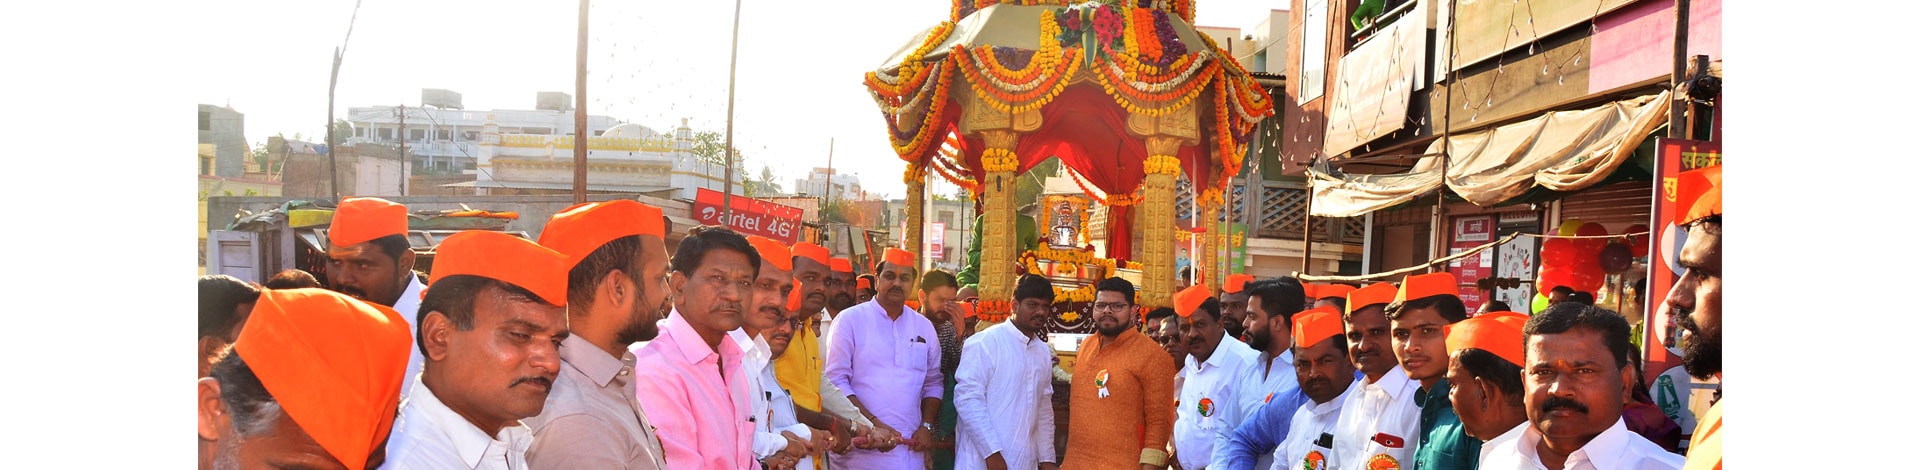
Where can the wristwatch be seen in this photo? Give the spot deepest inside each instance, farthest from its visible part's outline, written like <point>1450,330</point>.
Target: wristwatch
<point>928,426</point>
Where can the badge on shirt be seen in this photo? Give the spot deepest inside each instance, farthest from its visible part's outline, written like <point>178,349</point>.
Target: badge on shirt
<point>1314,461</point>
<point>1383,462</point>
<point>1100,380</point>
<point>1206,412</point>
<point>1389,440</point>
<point>1268,400</point>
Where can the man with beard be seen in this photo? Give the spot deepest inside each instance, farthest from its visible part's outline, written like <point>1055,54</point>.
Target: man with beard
<point>617,287</point>
<point>1209,395</point>
<point>1381,423</point>
<point>1233,305</point>
<point>1004,390</point>
<point>1695,301</point>
<point>369,258</point>
<point>898,381</point>
<point>1484,357</point>
<point>311,381</point>
<point>696,393</point>
<point>1270,380</point>
<point>1576,384</point>
<point>1299,436</point>
<point>938,290</point>
<point>1419,316</point>
<point>490,328</point>
<point>776,446</point>
<point>798,366</point>
<point>1121,408</point>
<point>840,289</point>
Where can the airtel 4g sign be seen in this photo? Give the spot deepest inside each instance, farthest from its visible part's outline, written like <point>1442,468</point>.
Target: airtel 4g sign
<point>750,216</point>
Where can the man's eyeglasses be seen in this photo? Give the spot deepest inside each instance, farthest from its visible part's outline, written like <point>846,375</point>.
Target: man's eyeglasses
<point>889,276</point>
<point>1110,305</point>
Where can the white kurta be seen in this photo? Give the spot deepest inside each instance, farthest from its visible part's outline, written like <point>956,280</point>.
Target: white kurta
<point>1208,407</point>
<point>1380,421</point>
<point>1004,397</point>
<point>757,366</point>
<point>409,308</point>
<point>1259,382</point>
<point>1614,448</point>
<point>1304,444</point>
<point>428,435</point>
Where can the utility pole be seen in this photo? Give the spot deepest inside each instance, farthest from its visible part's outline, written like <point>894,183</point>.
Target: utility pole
<point>333,168</point>
<point>403,151</point>
<point>726,198</point>
<point>580,112</point>
<point>829,187</point>
<point>1676,111</point>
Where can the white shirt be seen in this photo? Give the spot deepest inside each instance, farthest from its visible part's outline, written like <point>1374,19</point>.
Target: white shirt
<point>428,435</point>
<point>1211,384</point>
<point>409,308</point>
<point>1259,382</point>
<point>1385,410</point>
<point>757,366</point>
<point>1303,433</point>
<point>1614,448</point>
<point>1004,397</point>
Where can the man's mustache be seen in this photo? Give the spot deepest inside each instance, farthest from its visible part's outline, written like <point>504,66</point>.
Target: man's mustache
<point>1562,403</point>
<point>536,380</point>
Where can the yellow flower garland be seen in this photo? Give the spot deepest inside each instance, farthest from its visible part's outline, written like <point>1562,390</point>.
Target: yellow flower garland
<point>992,160</point>
<point>1163,165</point>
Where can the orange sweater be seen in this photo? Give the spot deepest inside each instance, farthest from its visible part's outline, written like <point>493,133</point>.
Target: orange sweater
<point>1135,420</point>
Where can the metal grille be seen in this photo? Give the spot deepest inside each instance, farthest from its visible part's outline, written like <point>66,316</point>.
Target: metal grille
<point>1182,199</point>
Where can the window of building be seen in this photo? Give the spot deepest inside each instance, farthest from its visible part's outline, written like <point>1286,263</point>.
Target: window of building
<point>946,253</point>
<point>359,132</point>
<point>206,120</point>
<point>416,135</point>
<point>443,134</point>
<point>470,135</point>
<point>1390,11</point>
<point>946,217</point>
<point>386,133</point>
<point>206,163</point>
<point>1313,51</point>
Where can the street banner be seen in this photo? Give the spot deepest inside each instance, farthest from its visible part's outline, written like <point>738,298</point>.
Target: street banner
<point>750,216</point>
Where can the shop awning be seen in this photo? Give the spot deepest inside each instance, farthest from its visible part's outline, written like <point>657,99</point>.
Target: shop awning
<point>1560,151</point>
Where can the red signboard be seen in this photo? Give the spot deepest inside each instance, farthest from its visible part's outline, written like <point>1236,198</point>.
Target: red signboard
<point>1680,396</point>
<point>1469,232</point>
<point>750,216</point>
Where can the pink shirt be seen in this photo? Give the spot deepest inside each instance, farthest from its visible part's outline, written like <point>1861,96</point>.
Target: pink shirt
<point>890,365</point>
<point>700,416</point>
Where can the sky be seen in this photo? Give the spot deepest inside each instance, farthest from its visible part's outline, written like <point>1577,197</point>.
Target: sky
<point>798,88</point>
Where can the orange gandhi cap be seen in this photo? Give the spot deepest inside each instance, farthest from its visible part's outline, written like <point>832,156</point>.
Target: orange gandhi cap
<point>1496,333</point>
<point>1427,285</point>
<point>813,252</point>
<point>505,258</point>
<point>1188,300</point>
<point>797,296</point>
<point>897,257</point>
<point>1315,325</point>
<point>1698,194</point>
<point>583,228</point>
<point>362,219</point>
<point>1236,283</point>
<point>862,283</point>
<point>841,265</point>
<point>1321,291</point>
<point>1373,294</point>
<point>772,253</point>
<point>332,362</point>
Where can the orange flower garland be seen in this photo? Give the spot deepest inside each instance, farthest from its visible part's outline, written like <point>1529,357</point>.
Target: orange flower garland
<point>923,137</point>
<point>1140,25</point>
<point>1163,165</point>
<point>992,160</point>
<point>1030,88</point>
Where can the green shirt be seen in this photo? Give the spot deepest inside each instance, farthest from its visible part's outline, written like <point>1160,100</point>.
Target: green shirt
<point>1444,444</point>
<point>1029,239</point>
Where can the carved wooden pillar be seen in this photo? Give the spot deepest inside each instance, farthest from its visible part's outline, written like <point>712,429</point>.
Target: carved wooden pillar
<point>1209,254</point>
<point>1164,135</point>
<point>1000,132</point>
<point>914,241</point>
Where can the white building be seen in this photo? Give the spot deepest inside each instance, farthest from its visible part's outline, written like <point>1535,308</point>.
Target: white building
<point>845,186</point>
<point>625,158</point>
<point>1262,49</point>
<point>446,139</point>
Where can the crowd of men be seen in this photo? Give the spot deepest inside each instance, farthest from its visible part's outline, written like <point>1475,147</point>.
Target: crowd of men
<point>593,348</point>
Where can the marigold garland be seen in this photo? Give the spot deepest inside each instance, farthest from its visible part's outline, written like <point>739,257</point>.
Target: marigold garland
<point>1163,165</point>
<point>994,160</point>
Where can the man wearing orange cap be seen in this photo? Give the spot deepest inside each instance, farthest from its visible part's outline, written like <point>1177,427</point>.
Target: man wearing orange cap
<point>775,444</point>
<point>1270,380</point>
<point>697,393</point>
<point>313,377</point>
<point>1208,391</point>
<point>1575,378</point>
<point>368,257</point>
<point>895,351</point>
<point>1300,435</point>
<point>1120,410</point>
<point>937,291</point>
<point>1331,295</point>
<point>1484,357</point>
<point>1004,394</point>
<point>840,294</point>
<point>1694,301</point>
<point>1233,305</point>
<point>864,289</point>
<point>799,367</point>
<point>1381,424</point>
<point>1419,316</point>
<point>616,284</point>
<point>490,328</point>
